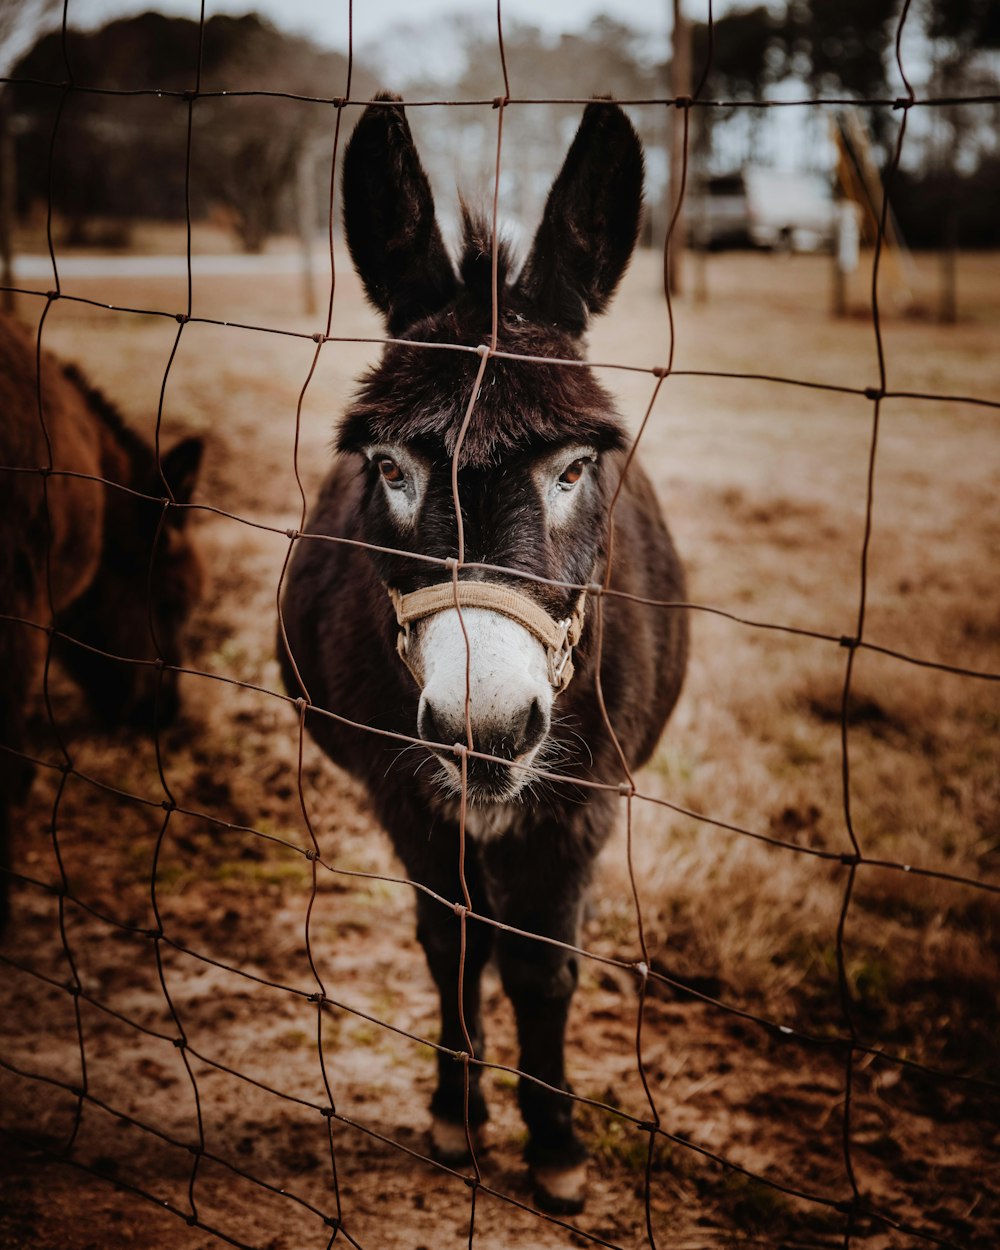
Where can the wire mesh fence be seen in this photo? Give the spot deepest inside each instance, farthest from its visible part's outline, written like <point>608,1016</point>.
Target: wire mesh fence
<point>855,1216</point>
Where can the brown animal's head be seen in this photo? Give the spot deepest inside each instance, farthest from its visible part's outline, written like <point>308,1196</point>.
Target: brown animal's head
<point>138,603</point>
<point>536,465</point>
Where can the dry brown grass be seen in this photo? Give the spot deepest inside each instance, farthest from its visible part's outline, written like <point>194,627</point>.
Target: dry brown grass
<point>765,488</point>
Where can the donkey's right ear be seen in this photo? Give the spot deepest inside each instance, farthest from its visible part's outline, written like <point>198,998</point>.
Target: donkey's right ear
<point>389,219</point>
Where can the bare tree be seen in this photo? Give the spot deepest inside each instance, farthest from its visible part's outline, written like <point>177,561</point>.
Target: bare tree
<point>125,157</point>
<point>20,23</point>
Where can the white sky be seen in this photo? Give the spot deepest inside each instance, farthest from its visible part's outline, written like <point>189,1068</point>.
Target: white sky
<point>326,21</point>
<point>384,23</point>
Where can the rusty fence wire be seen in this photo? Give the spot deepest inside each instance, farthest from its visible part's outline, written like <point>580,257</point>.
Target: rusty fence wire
<point>848,1045</point>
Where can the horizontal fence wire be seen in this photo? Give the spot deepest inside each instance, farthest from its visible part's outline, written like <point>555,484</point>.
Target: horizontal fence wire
<point>512,101</point>
<point>847,1044</point>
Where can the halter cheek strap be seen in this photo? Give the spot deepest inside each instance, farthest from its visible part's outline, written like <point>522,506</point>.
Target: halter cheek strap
<point>557,637</point>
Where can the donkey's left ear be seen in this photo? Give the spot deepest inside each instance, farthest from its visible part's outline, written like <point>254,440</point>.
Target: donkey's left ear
<point>180,467</point>
<point>389,219</point>
<point>590,224</point>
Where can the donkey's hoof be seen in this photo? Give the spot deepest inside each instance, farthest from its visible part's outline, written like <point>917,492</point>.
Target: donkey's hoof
<point>450,1143</point>
<point>560,1191</point>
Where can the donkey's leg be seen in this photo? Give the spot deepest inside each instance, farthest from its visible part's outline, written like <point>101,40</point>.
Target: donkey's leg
<point>5,859</point>
<point>18,660</point>
<point>16,776</point>
<point>540,980</point>
<point>439,931</point>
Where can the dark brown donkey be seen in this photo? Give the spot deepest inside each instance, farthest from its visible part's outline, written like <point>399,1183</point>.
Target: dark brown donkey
<point>91,546</point>
<point>536,473</point>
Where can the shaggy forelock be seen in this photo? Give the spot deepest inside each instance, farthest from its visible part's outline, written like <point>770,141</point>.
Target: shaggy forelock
<point>420,394</point>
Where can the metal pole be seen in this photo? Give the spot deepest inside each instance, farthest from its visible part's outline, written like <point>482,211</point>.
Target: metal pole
<point>305,214</point>
<point>680,85</point>
<point>696,193</point>
<point>7,205</point>
<point>949,269</point>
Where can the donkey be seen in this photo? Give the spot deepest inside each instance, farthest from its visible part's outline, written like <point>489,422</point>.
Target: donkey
<point>375,636</point>
<point>82,549</point>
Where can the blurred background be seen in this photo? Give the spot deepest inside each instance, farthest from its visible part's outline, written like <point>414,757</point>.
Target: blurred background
<point>769,176</point>
<point>765,484</point>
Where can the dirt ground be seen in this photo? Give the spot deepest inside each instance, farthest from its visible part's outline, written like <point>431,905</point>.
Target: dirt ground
<point>764,485</point>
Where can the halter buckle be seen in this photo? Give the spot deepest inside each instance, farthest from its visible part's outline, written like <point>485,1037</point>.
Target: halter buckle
<point>560,659</point>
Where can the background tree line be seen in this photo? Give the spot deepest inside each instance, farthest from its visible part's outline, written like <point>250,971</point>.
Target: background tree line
<point>125,157</point>
<point>121,158</point>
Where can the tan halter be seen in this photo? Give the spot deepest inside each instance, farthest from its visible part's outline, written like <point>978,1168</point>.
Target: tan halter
<point>557,637</point>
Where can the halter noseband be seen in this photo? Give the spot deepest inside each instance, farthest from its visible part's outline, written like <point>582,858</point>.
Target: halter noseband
<point>557,637</point>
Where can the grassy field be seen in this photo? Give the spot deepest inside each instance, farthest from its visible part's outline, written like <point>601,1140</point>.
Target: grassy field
<point>765,487</point>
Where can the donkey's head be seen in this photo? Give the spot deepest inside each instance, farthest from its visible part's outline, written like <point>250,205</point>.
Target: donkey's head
<point>148,580</point>
<point>532,473</point>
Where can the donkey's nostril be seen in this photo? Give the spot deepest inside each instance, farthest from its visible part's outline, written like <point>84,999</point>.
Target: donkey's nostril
<point>435,725</point>
<point>533,728</point>
<point>427,726</point>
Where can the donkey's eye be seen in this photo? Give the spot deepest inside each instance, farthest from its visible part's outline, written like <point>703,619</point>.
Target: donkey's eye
<point>390,472</point>
<point>571,474</point>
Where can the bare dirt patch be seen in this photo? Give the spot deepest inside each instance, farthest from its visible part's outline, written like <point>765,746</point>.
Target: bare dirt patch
<point>765,488</point>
